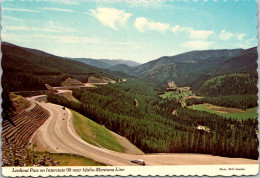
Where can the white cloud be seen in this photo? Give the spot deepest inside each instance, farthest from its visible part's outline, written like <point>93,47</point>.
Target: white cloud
<point>198,45</point>
<point>72,39</point>
<point>178,28</point>
<point>11,18</point>
<point>225,35</point>
<point>241,36</point>
<point>250,40</point>
<point>68,2</point>
<point>200,34</point>
<point>49,27</point>
<point>194,34</point>
<point>19,10</point>
<point>146,4</point>
<point>57,9</point>
<point>142,24</point>
<point>111,17</point>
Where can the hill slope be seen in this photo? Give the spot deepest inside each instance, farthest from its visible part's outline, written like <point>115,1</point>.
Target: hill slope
<point>123,68</point>
<point>114,62</point>
<point>232,84</point>
<point>193,67</point>
<point>29,69</point>
<point>92,62</point>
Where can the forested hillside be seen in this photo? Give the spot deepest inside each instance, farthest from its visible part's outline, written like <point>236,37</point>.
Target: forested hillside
<point>123,68</point>
<point>28,69</point>
<point>238,90</point>
<point>92,62</point>
<point>195,67</point>
<point>232,84</point>
<point>134,110</point>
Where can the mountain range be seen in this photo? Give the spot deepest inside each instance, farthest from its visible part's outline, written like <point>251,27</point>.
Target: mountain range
<point>190,68</point>
<point>194,67</point>
<point>105,63</point>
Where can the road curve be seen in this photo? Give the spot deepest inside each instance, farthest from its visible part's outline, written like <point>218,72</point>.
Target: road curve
<point>57,135</point>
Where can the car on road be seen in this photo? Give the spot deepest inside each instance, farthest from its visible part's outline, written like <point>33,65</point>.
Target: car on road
<point>63,107</point>
<point>138,161</point>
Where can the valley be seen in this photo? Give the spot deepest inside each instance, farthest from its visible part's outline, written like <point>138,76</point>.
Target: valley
<point>59,136</point>
<point>165,112</point>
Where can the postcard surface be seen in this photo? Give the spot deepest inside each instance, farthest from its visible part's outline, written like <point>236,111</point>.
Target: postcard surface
<point>129,88</point>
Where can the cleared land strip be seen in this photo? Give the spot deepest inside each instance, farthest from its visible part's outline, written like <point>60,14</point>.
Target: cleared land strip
<point>58,136</point>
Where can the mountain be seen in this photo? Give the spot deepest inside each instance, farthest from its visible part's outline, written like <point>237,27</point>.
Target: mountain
<point>105,63</point>
<point>123,68</point>
<point>114,62</point>
<point>230,84</point>
<point>92,62</point>
<point>27,69</point>
<point>196,66</point>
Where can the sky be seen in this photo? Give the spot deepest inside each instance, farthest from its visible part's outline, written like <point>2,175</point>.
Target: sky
<point>132,30</point>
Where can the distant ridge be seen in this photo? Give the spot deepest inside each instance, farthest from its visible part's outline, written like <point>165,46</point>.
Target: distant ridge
<point>123,68</point>
<point>105,63</point>
<point>189,67</point>
<point>114,62</point>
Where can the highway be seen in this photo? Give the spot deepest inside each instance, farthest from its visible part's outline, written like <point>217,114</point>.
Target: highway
<point>57,135</point>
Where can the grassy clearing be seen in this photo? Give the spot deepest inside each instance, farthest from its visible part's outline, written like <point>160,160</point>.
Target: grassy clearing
<point>227,112</point>
<point>95,134</point>
<point>72,159</point>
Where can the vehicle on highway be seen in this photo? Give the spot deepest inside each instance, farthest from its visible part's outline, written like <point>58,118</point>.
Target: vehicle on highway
<point>138,161</point>
<point>63,107</point>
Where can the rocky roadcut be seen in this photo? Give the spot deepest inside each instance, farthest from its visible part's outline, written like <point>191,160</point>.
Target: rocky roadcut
<point>16,156</point>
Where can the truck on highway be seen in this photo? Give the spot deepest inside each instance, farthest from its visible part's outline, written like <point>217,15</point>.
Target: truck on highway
<point>138,161</point>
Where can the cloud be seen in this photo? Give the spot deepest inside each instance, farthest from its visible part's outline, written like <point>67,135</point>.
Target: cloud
<point>49,27</point>
<point>68,2</point>
<point>11,18</point>
<point>198,45</point>
<point>145,3</point>
<point>142,24</point>
<point>225,35</point>
<point>194,34</point>
<point>72,39</point>
<point>200,34</point>
<point>178,28</point>
<point>19,10</point>
<point>241,36</point>
<point>111,17</point>
<point>250,40</point>
<point>57,9</point>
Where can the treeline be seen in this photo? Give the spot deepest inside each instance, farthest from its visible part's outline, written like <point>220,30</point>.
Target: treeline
<point>158,125</point>
<point>233,101</point>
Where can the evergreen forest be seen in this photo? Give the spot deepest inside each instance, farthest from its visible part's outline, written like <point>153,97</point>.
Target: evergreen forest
<point>133,109</point>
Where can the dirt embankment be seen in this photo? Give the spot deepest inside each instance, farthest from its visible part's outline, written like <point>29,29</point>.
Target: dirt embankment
<point>129,147</point>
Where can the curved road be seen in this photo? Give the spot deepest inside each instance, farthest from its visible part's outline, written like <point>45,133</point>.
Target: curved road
<point>57,135</point>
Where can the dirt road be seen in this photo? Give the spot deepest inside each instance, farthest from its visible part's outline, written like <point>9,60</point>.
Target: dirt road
<point>57,135</point>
